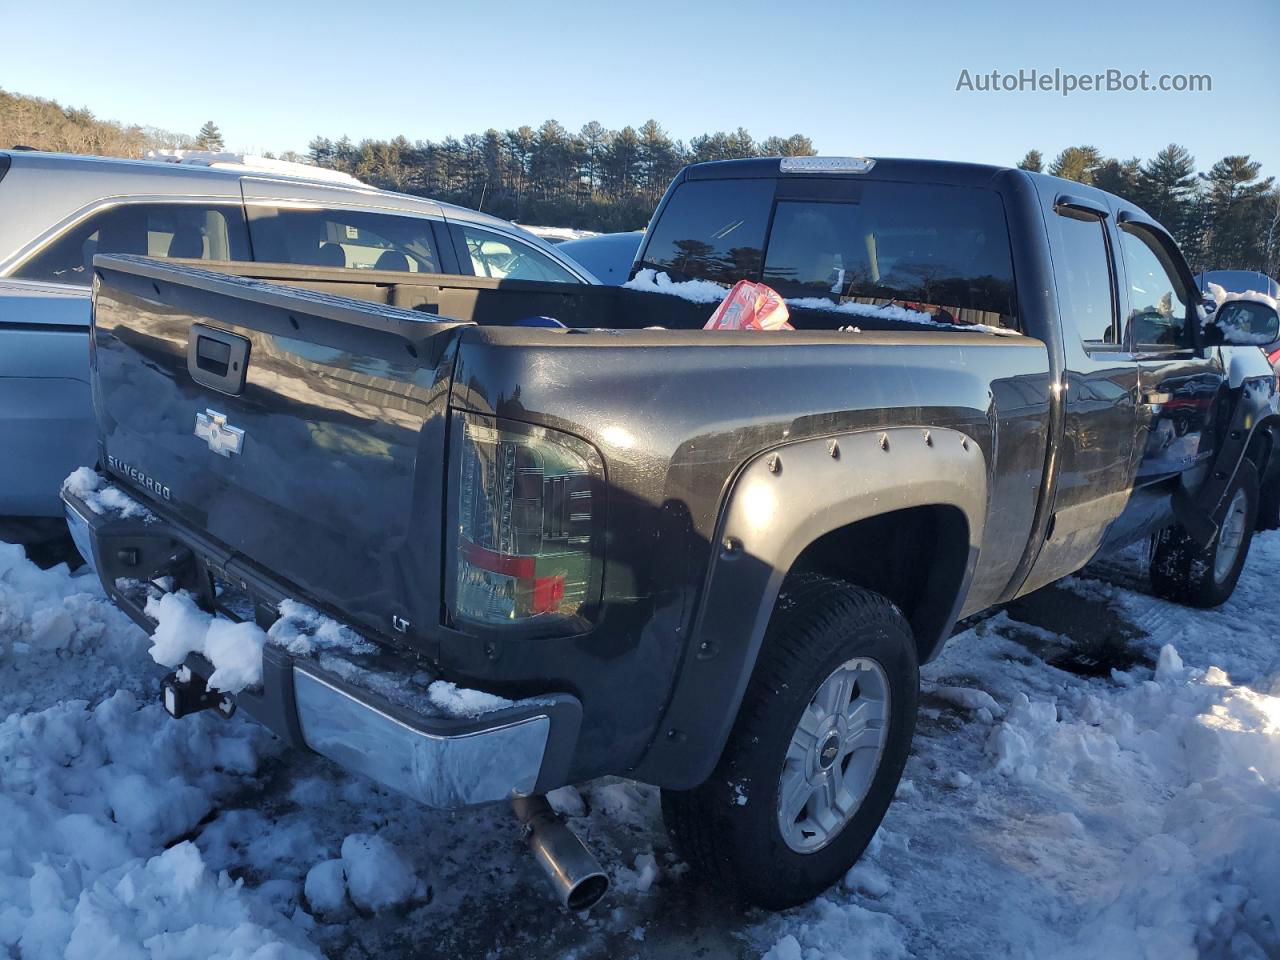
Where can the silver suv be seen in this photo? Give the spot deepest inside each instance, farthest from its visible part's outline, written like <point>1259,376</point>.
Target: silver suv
<point>57,211</point>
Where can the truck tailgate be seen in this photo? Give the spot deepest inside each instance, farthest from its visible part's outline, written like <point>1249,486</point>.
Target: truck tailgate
<point>304,432</point>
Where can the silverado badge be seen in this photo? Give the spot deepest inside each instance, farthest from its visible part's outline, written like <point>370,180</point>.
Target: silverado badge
<point>212,428</point>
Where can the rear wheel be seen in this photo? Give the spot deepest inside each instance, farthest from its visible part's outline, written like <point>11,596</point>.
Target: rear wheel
<point>816,753</point>
<point>1197,576</point>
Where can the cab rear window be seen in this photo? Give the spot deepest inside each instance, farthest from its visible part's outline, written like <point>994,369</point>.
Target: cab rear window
<point>938,249</point>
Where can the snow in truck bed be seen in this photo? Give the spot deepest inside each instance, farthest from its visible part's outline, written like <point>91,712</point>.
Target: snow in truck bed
<point>1043,814</point>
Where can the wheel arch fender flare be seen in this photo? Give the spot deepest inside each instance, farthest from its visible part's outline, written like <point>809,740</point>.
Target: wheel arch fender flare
<point>780,502</point>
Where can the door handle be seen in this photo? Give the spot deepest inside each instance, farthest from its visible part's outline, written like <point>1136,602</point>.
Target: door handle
<point>217,359</point>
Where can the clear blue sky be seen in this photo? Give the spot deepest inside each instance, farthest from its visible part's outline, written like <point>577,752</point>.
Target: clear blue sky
<point>856,77</point>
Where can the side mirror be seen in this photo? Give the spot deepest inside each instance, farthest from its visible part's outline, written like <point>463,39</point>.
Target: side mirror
<point>1245,323</point>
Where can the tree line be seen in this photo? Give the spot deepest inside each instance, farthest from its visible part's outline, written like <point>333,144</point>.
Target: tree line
<point>601,179</point>
<point>1227,218</point>
<point>596,178</point>
<point>47,125</point>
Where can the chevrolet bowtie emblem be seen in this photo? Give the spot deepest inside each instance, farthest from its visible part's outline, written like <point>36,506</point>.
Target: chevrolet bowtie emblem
<point>211,427</point>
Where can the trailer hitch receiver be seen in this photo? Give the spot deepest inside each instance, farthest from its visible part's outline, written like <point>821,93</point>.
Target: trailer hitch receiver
<point>184,693</point>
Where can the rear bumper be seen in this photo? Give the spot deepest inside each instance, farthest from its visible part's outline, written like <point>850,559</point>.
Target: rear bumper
<point>442,761</point>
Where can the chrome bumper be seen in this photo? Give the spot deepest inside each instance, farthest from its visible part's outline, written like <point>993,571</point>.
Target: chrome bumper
<point>493,762</point>
<point>78,525</point>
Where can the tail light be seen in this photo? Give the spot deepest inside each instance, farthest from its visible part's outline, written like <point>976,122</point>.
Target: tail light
<point>1274,357</point>
<point>529,503</point>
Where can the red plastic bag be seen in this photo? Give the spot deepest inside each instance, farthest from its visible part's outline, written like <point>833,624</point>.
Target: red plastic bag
<point>751,306</point>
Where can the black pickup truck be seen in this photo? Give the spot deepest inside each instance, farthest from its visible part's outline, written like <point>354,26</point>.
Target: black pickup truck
<point>706,560</point>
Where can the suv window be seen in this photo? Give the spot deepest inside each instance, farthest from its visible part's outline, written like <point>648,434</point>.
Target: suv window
<point>939,249</point>
<point>360,239</point>
<point>712,230</point>
<point>189,230</point>
<point>1158,301</point>
<point>501,257</point>
<point>1082,271</point>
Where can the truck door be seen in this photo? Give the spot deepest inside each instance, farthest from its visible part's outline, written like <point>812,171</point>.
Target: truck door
<point>1097,455</point>
<point>1181,386</point>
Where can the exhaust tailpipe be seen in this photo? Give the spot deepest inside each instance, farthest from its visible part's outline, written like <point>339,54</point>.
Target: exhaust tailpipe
<point>573,870</point>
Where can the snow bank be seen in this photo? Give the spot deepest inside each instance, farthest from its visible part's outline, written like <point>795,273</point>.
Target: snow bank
<point>828,928</point>
<point>89,797</point>
<point>1052,816</point>
<point>1196,758</point>
<point>53,623</point>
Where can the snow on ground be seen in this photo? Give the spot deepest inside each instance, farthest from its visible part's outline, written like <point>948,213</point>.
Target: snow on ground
<point>1043,814</point>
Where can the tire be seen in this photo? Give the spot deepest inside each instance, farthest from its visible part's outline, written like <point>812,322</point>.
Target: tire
<point>730,828</point>
<point>1198,576</point>
<point>1269,502</point>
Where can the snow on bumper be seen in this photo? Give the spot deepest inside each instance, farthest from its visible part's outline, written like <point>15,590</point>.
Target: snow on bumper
<point>319,685</point>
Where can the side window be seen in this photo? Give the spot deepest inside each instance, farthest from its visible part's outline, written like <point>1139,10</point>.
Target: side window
<point>359,239</point>
<point>493,255</point>
<point>1082,271</point>
<point>712,230</point>
<point>1158,301</point>
<point>187,230</point>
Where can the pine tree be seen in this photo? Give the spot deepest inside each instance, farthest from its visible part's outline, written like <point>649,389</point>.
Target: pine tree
<point>1033,161</point>
<point>209,137</point>
<point>1166,187</point>
<point>1076,163</point>
<point>520,144</point>
<point>344,155</point>
<point>658,160</point>
<point>796,145</point>
<point>550,159</point>
<point>741,145</point>
<point>595,140</point>
<point>1237,212</point>
<point>1121,177</point>
<point>622,162</point>
<point>1271,246</point>
<point>321,151</point>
